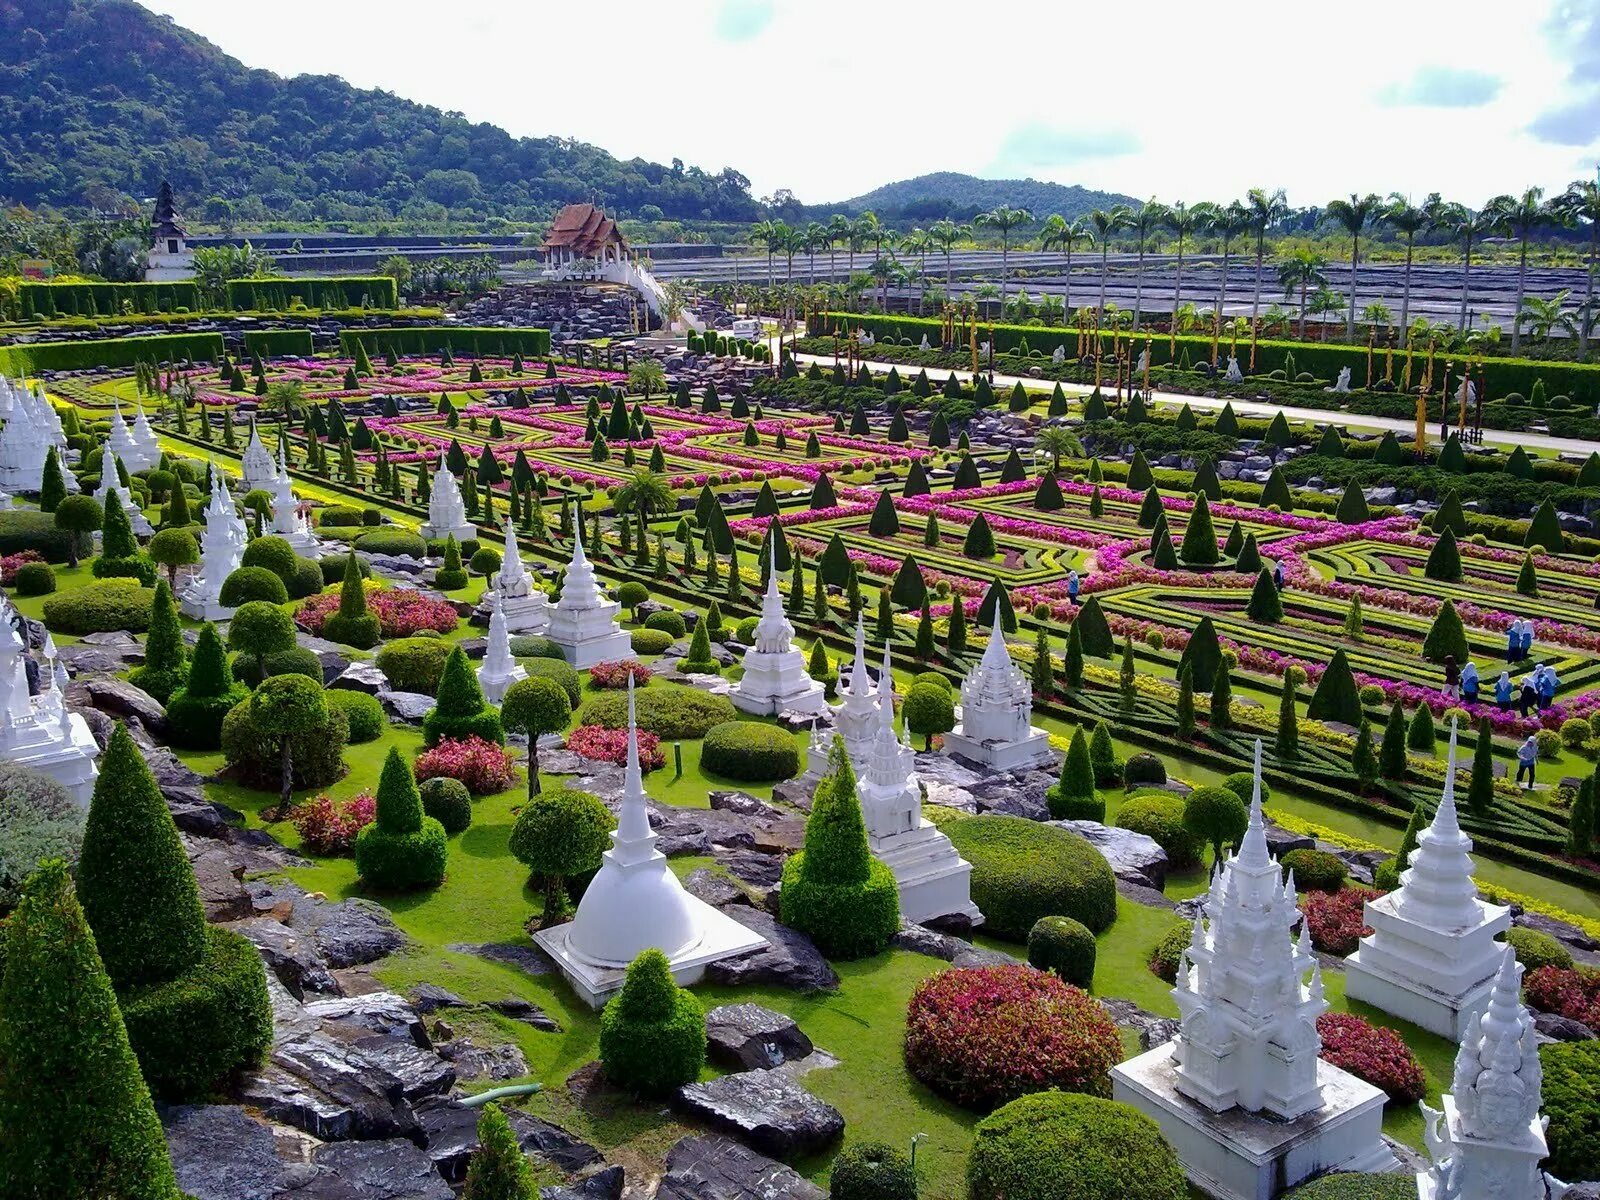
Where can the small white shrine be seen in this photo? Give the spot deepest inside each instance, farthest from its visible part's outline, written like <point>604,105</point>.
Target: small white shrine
<point>146,447</point>
<point>635,903</point>
<point>111,481</point>
<point>23,446</point>
<point>288,522</point>
<point>996,721</point>
<point>524,606</point>
<point>49,420</point>
<point>775,679</point>
<point>222,545</point>
<point>1487,1143</point>
<point>855,717</point>
<point>258,469</point>
<point>120,441</point>
<point>1432,954</point>
<point>499,670</point>
<point>39,732</point>
<point>584,623</point>
<point>447,513</point>
<point>1249,1107</point>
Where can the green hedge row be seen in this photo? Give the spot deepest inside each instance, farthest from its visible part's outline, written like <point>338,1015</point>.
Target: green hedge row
<point>282,294</point>
<point>279,343</point>
<point>458,339</point>
<point>109,352</point>
<point>1501,375</point>
<point>105,299</point>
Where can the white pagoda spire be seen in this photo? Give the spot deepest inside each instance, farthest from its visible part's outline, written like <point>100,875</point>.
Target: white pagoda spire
<point>584,623</point>
<point>146,448</point>
<point>1437,886</point>
<point>775,679</point>
<point>222,544</point>
<point>996,727</point>
<point>121,440</point>
<point>256,464</point>
<point>40,731</point>
<point>23,447</point>
<point>499,670</point>
<point>524,607</point>
<point>111,481</point>
<point>513,579</point>
<point>447,514</point>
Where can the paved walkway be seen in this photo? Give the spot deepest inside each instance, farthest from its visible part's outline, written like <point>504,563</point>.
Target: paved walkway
<point>1576,447</point>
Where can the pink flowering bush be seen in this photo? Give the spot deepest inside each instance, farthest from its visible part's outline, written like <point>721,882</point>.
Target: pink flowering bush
<point>615,674</point>
<point>1336,918</point>
<point>483,766</point>
<point>611,745</point>
<point>329,826</point>
<point>12,563</point>
<point>1370,1052</point>
<point>985,1035</point>
<point>401,612</point>
<point>1567,992</point>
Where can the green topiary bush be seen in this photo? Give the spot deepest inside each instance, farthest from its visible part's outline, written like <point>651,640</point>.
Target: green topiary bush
<point>1572,1104</point>
<point>750,751</point>
<point>1064,946</point>
<point>253,583</point>
<point>393,542</point>
<point>1535,949</point>
<point>560,834</point>
<point>362,713</point>
<point>1164,957</point>
<point>403,848</point>
<point>272,553</point>
<point>256,757</point>
<point>34,579</point>
<point>1144,770</point>
<point>1022,871</point>
<point>166,658</point>
<point>352,624</point>
<point>38,821</point>
<point>196,710</point>
<point>652,1033</point>
<point>531,645</point>
<point>296,660</point>
<point>668,622</point>
<point>872,1171</point>
<point>414,664</point>
<point>1073,797</point>
<point>461,712</point>
<point>102,607</point>
<point>670,711</point>
<point>1216,816</point>
<point>1159,816</point>
<point>561,672</point>
<point>651,641</point>
<point>1068,1146</point>
<point>1316,870</point>
<point>447,801</point>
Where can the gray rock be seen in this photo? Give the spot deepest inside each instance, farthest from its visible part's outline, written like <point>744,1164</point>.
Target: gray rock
<point>607,1184</point>
<point>748,1037</point>
<point>1135,857</point>
<point>473,1061</point>
<point>789,960</point>
<point>717,1168</point>
<point>1562,931</point>
<point>221,891</point>
<point>526,958</point>
<point>382,1170</point>
<point>758,870</point>
<point>742,804</point>
<point>451,1130</point>
<point>120,699</point>
<point>919,939</point>
<point>350,933</point>
<point>716,890</point>
<point>978,956</point>
<point>333,657</point>
<point>1281,841</point>
<point>361,677</point>
<point>290,956</point>
<point>409,707</point>
<point>1562,1029</point>
<point>547,1141</point>
<point>430,997</point>
<point>1153,1030</point>
<point>526,1011</point>
<point>382,1013</point>
<point>220,1152</point>
<point>420,1072</point>
<point>766,1110</point>
<point>330,1089</point>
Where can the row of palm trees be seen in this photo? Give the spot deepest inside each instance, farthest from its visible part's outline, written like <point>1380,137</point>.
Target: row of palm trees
<point>1519,217</point>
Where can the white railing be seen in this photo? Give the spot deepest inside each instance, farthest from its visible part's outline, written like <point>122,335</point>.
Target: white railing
<point>628,274</point>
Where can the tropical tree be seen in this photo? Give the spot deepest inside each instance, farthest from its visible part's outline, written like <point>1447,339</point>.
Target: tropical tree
<point>1409,220</point>
<point>771,235</point>
<point>1107,221</point>
<point>1303,269</point>
<point>1004,219</point>
<point>945,233</point>
<point>1353,216</point>
<point>1521,217</point>
<point>1067,235</point>
<point>1466,227</point>
<point>1543,317</point>
<point>1581,203</point>
<point>1182,221</point>
<point>863,232</point>
<point>1058,442</point>
<point>1227,221</point>
<point>838,231</point>
<point>1265,209</point>
<point>1152,215</point>
<point>814,238</point>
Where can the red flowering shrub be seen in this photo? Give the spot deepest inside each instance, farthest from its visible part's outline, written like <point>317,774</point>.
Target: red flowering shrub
<point>329,826</point>
<point>1567,992</point>
<point>615,674</point>
<point>11,563</point>
<point>611,745</point>
<point>1335,918</point>
<point>1370,1052</point>
<point>483,766</point>
<point>401,612</point>
<point>984,1036</point>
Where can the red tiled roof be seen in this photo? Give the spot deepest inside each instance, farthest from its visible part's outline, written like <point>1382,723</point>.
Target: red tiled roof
<point>583,229</point>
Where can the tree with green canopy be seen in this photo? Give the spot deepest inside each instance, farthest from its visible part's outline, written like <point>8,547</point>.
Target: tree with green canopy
<point>1200,536</point>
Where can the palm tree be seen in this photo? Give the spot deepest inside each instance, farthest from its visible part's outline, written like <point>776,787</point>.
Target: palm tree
<point>1466,226</point>
<point>1183,221</point>
<point>1410,221</point>
<point>1266,209</point>
<point>1005,219</point>
<point>838,231</point>
<point>1521,216</point>
<point>286,399</point>
<point>767,233</point>
<point>863,229</point>
<point>1353,216</point>
<point>1302,269</point>
<point>1228,220</point>
<point>1070,234</point>
<point>1058,441</point>
<point>945,233</point>
<point>647,377</point>
<point>814,238</point>
<point>1151,216</point>
<point>643,494</point>
<point>919,242</point>
<point>1107,221</point>
<point>1326,300</point>
<point>1542,317</point>
<point>1582,205</point>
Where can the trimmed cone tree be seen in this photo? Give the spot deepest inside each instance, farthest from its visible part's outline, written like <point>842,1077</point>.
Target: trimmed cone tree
<point>1073,797</point>
<point>1444,560</point>
<point>1199,547</point>
<point>352,624</point>
<point>653,1032</point>
<point>461,711</point>
<point>402,848</point>
<point>1447,636</point>
<point>1266,606</point>
<point>1336,697</point>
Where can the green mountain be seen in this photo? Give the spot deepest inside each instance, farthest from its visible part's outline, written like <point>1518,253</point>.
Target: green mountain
<point>962,197</point>
<point>102,99</point>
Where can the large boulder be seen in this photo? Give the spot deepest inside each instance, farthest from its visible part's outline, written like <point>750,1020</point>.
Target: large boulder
<point>220,1152</point>
<point>790,959</point>
<point>745,1037</point>
<point>718,1168</point>
<point>381,1013</point>
<point>767,1110</point>
<point>291,956</point>
<point>1135,857</point>
<point>120,699</point>
<point>379,1170</point>
<point>220,880</point>
<point>410,707</point>
<point>348,934</point>
<point>361,677</point>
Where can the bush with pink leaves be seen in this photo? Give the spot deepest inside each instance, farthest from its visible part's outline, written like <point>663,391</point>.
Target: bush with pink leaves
<point>611,745</point>
<point>329,826</point>
<point>12,563</point>
<point>1337,919</point>
<point>614,675</point>
<point>401,612</point>
<point>483,766</point>
<point>1370,1052</point>
<point>1572,992</point>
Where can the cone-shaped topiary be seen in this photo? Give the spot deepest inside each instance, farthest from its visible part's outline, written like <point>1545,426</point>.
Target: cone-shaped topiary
<point>1186,717</point>
<point>1139,478</point>
<point>1527,577</point>
<point>499,1170</point>
<point>834,891</point>
<point>1450,515</point>
<point>1288,740</point>
<point>1248,561</point>
<point>1222,699</point>
<point>1352,508</point>
<point>1275,492</point>
<point>1203,654</point>
<point>979,542</point>
<point>1266,606</point>
<point>995,608</point>
<point>1392,761</point>
<point>1206,482</point>
<point>966,475</point>
<point>1480,792</point>
<point>1451,457</point>
<point>1336,697</point>
<point>1072,663</point>
<point>1386,876</point>
<point>1447,636</point>
<point>53,485</point>
<point>166,660</point>
<point>450,576</point>
<point>1012,470</point>
<point>699,660</point>
<point>461,711</point>
<point>1362,759</point>
<point>1444,560</point>
<point>353,625</point>
<point>885,520</point>
<point>1545,530</point>
<point>120,557</point>
<point>1073,796</point>
<point>652,1033</point>
<point>1200,536</point>
<point>1162,555</point>
<point>1331,445</point>
<point>1420,733</point>
<point>196,709</point>
<point>916,483</point>
<point>1150,509</point>
<point>956,628</point>
<point>1278,433</point>
<point>1580,822</point>
<point>76,1119</point>
<point>402,848</point>
<point>909,589</point>
<point>1047,496</point>
<point>1095,629</point>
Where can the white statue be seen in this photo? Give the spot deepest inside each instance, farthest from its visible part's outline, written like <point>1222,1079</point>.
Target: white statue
<point>1341,385</point>
<point>1142,363</point>
<point>40,732</point>
<point>1058,355</point>
<point>1234,374</point>
<point>525,608</point>
<point>924,344</point>
<point>222,545</point>
<point>996,726</point>
<point>258,469</point>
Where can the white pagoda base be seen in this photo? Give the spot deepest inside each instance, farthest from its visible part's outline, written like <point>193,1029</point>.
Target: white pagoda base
<point>934,880</point>
<point>1031,751</point>
<point>204,608</point>
<point>596,982</point>
<point>528,614</point>
<point>463,531</point>
<point>494,684</point>
<point>777,683</point>
<point>1242,1155</point>
<point>587,636</point>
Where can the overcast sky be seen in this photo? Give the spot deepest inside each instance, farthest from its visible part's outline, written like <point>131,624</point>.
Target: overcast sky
<point>1165,97</point>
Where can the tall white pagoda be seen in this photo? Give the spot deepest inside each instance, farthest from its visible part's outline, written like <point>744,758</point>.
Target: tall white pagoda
<point>288,522</point>
<point>635,903</point>
<point>524,606</point>
<point>996,727</point>
<point>23,447</point>
<point>775,679</point>
<point>584,623</point>
<point>855,717</point>
<point>221,549</point>
<point>111,481</point>
<point>1488,1141</point>
<point>1432,954</point>
<point>120,441</point>
<point>1249,1107</point>
<point>39,732</point>
<point>258,469</point>
<point>499,670</point>
<point>146,447</point>
<point>50,420</point>
<point>447,513</point>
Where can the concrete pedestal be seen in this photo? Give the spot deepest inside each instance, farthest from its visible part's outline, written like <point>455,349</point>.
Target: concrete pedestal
<point>934,880</point>
<point>1032,751</point>
<point>204,608</point>
<point>584,643</point>
<point>777,683</point>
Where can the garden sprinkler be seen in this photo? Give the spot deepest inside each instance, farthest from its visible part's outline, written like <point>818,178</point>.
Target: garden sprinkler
<point>916,1139</point>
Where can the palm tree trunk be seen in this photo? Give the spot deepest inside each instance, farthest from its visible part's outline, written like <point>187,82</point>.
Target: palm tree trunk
<point>1355,254</point>
<point>1066,286</point>
<point>1588,292</point>
<point>1138,288</point>
<point>769,266</point>
<point>1466,279</point>
<point>1005,269</point>
<point>1522,288</point>
<point>1302,310</point>
<point>947,275</point>
<point>1102,275</point>
<point>1405,295</point>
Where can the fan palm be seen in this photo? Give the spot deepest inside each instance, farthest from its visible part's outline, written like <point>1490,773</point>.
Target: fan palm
<point>1266,209</point>
<point>815,238</point>
<point>838,231</point>
<point>1353,216</point>
<point>1521,216</point>
<point>1107,221</point>
<point>1410,220</point>
<point>1228,221</point>
<point>1543,317</point>
<point>1004,218</point>
<point>1582,205</point>
<point>1466,227</point>
<point>1058,442</point>
<point>1152,215</point>
<point>1302,270</point>
<point>863,230</point>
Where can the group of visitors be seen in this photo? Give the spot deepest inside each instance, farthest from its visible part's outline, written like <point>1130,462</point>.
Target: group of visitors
<point>1519,639</point>
<point>1535,691</point>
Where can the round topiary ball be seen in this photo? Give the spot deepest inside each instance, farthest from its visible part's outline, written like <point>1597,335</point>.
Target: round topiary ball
<point>362,712</point>
<point>532,645</point>
<point>34,579</point>
<point>668,622</point>
<point>296,660</point>
<point>1159,816</point>
<point>414,664</point>
<point>1022,870</point>
<point>253,583</point>
<point>1535,949</point>
<point>872,1171</point>
<point>1242,784</point>
<point>1060,1146</point>
<point>1144,769</point>
<point>1316,870</point>
<point>447,801</point>
<point>272,552</point>
<point>306,580</point>
<point>1064,946</point>
<point>485,562</point>
<point>750,751</point>
<point>1164,958</point>
<point>651,641</point>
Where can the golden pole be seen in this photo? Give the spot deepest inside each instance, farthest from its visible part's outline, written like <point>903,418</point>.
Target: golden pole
<point>1372,335</point>
<point>1422,426</point>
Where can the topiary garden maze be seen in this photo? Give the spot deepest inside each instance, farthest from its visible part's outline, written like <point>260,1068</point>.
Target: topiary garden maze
<point>340,791</point>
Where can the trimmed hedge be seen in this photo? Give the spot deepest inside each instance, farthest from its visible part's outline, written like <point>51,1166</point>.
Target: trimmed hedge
<point>403,848</point>
<point>651,641</point>
<point>1572,1104</point>
<point>872,1171</point>
<point>49,300</point>
<point>561,672</point>
<point>363,713</point>
<point>448,802</point>
<point>257,757</point>
<point>279,293</point>
<point>1347,1185</point>
<point>1064,946</point>
<point>279,343</point>
<point>414,664</point>
<point>395,542</point>
<point>27,529</point>
<point>533,645</point>
<point>296,660</point>
<point>110,352</point>
<point>1535,949</point>
<point>1159,815</point>
<point>458,339</point>
<point>670,711</point>
<point>244,584</point>
<point>750,751</point>
<point>102,607</point>
<point>1316,870</point>
<point>1022,871</point>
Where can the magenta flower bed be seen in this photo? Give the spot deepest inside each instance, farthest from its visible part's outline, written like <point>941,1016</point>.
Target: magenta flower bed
<point>12,563</point>
<point>612,675</point>
<point>611,745</point>
<point>401,612</point>
<point>483,766</point>
<point>1370,1052</point>
<point>329,826</point>
<point>1336,919</point>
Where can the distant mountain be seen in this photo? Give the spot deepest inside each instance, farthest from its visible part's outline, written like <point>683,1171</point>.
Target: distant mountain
<point>961,197</point>
<point>103,97</point>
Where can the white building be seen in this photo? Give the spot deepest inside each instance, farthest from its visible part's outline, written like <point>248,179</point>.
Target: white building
<point>775,678</point>
<point>39,732</point>
<point>584,623</point>
<point>996,726</point>
<point>447,513</point>
<point>221,549</point>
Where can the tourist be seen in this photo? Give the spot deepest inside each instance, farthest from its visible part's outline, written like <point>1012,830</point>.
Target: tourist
<point>1527,759</point>
<point>1072,585</point>
<point>1469,683</point>
<point>1452,677</point>
<point>1528,696</point>
<point>1513,639</point>
<point>1502,691</point>
<point>1545,682</point>
<point>1277,575</point>
<point>1526,651</point>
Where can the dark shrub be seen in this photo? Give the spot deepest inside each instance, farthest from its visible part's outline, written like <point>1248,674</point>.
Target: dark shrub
<point>257,757</point>
<point>26,529</point>
<point>651,641</point>
<point>362,713</point>
<point>653,1033</point>
<point>393,542</point>
<point>530,645</point>
<point>35,579</point>
<point>447,801</point>
<point>1164,958</point>
<point>872,1171</point>
<point>1572,1104</point>
<point>38,820</point>
<point>1064,946</point>
<point>1535,949</point>
<point>750,751</point>
<point>253,583</point>
<point>414,664</point>
<point>561,672</point>
<point>296,660</point>
<point>667,622</point>
<point>670,711</point>
<point>1144,769</point>
<point>1022,871</point>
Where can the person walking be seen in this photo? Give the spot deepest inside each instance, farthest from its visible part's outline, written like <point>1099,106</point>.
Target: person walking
<point>1513,639</point>
<point>1545,683</point>
<point>1527,640</point>
<point>1452,677</point>
<point>1277,575</point>
<point>1502,691</point>
<point>1527,761</point>
<point>1528,695</point>
<point>1469,683</point>
<point>1072,585</point>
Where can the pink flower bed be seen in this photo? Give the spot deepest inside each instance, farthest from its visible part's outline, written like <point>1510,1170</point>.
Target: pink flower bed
<point>12,563</point>
<point>1565,992</point>
<point>1336,918</point>
<point>401,612</point>
<point>1370,1052</point>
<point>613,675</point>
<point>483,766</point>
<point>611,745</point>
<point>329,826</point>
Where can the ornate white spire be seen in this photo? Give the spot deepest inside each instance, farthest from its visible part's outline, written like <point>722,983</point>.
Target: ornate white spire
<point>1437,887</point>
<point>583,622</point>
<point>447,514</point>
<point>499,670</point>
<point>256,463</point>
<point>513,579</point>
<point>775,679</point>
<point>997,713</point>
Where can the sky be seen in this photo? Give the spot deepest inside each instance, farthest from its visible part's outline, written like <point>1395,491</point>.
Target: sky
<point>831,98</point>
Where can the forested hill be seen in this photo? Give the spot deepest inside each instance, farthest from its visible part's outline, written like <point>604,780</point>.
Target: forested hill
<point>961,197</point>
<point>104,94</point>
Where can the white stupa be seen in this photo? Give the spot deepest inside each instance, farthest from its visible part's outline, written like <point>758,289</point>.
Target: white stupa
<point>499,670</point>
<point>1249,1107</point>
<point>111,479</point>
<point>446,512</point>
<point>288,522</point>
<point>635,903</point>
<point>996,726</point>
<point>23,446</point>
<point>855,717</point>
<point>524,606</point>
<point>120,440</point>
<point>1432,954</point>
<point>1487,1143</point>
<point>39,732</point>
<point>221,548</point>
<point>146,451</point>
<point>50,421</point>
<point>584,623</point>
<point>775,679</point>
<point>257,466</point>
